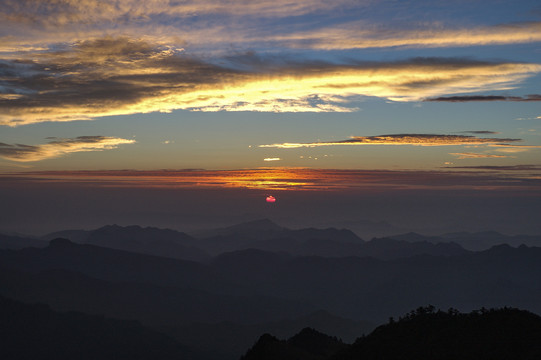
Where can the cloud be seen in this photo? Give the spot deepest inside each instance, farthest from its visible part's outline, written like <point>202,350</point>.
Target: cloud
<point>59,147</point>
<point>301,179</point>
<point>357,36</point>
<point>272,159</point>
<point>462,156</point>
<point>121,76</point>
<point>401,139</point>
<point>507,148</point>
<point>534,97</point>
<point>75,12</point>
<point>481,132</point>
<point>533,168</point>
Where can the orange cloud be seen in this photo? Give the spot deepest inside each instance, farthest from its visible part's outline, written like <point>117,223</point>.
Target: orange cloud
<point>300,179</point>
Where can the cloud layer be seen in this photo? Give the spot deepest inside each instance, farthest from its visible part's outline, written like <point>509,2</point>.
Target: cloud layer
<point>301,179</point>
<point>356,36</point>
<point>534,97</point>
<point>119,76</point>
<point>59,147</point>
<point>401,139</point>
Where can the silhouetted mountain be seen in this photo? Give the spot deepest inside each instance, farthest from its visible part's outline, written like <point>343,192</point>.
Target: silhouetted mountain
<point>424,334</point>
<point>34,331</point>
<point>367,229</point>
<point>230,340</point>
<point>368,288</point>
<point>117,265</point>
<point>15,242</point>
<point>256,228</point>
<point>351,287</point>
<point>157,306</point>
<point>329,242</point>
<point>77,236</point>
<point>149,240</point>
<point>485,240</point>
<point>474,241</point>
<point>309,344</point>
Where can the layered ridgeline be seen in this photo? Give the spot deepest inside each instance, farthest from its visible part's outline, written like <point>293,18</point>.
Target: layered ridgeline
<point>424,334</point>
<point>34,331</point>
<point>268,236</point>
<point>259,277</point>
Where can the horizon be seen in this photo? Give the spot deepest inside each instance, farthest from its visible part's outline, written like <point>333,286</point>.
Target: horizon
<point>324,106</point>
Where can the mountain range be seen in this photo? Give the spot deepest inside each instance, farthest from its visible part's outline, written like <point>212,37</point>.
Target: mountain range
<point>216,293</point>
<point>423,334</point>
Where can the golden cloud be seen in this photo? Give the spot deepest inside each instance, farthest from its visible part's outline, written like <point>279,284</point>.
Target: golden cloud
<point>59,147</point>
<point>354,36</point>
<point>120,76</point>
<point>401,139</point>
<point>462,156</point>
<point>507,148</point>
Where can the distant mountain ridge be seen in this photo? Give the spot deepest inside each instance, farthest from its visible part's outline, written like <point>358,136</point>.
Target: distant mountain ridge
<point>252,286</point>
<point>474,241</point>
<point>148,240</point>
<point>266,235</point>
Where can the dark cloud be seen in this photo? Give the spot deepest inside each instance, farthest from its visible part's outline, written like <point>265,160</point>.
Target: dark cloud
<point>402,139</point>
<point>498,168</point>
<point>59,147</point>
<point>534,97</point>
<point>119,76</point>
<point>480,132</point>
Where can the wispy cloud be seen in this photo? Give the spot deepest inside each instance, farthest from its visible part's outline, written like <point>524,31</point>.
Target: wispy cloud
<point>300,179</point>
<point>401,139</point>
<point>468,155</point>
<point>513,168</point>
<point>120,76</point>
<point>467,98</point>
<point>360,36</point>
<point>508,148</point>
<point>59,147</point>
<point>76,12</point>
<point>480,132</point>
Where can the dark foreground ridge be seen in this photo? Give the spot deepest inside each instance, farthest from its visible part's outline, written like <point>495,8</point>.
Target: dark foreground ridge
<point>495,334</point>
<point>34,331</point>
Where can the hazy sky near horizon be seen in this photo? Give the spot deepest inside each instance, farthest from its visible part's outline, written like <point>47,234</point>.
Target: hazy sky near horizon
<point>284,91</point>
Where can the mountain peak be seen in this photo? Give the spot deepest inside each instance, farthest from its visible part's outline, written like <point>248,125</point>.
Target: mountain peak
<point>261,225</point>
<point>60,243</point>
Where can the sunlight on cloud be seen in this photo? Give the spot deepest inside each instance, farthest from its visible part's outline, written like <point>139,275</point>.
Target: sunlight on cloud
<point>462,156</point>
<point>353,36</point>
<point>120,76</point>
<point>59,147</point>
<point>297,179</point>
<point>506,148</point>
<point>400,139</point>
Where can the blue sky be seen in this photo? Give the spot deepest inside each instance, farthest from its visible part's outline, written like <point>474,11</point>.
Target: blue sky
<point>224,85</point>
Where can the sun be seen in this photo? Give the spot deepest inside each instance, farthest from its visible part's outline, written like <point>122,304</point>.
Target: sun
<point>271,199</point>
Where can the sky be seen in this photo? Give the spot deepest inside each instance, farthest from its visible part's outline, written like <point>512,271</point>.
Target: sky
<point>348,112</point>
